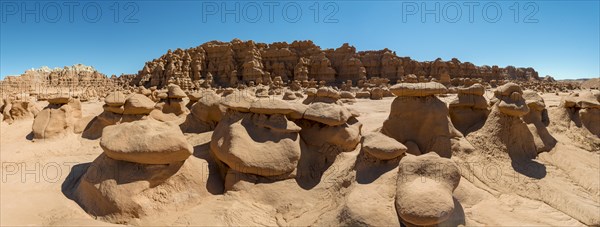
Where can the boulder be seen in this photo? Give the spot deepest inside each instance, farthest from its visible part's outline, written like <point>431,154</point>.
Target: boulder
<point>422,120</point>
<point>424,189</point>
<point>537,120</point>
<point>382,147</point>
<point>138,104</point>
<point>175,92</point>
<point>145,142</point>
<point>329,114</point>
<point>511,101</point>
<point>259,144</point>
<point>469,110</point>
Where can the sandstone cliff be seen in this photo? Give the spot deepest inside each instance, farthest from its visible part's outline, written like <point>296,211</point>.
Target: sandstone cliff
<point>219,63</point>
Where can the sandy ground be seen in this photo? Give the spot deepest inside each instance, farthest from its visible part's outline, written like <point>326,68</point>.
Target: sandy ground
<point>33,173</point>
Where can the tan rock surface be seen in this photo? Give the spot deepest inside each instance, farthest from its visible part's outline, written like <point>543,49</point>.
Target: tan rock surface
<point>145,142</point>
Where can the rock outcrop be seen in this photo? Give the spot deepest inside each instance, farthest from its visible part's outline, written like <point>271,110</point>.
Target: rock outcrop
<point>17,109</point>
<point>537,120</point>
<point>230,63</point>
<point>579,115</point>
<point>469,110</point>
<point>504,133</point>
<point>255,137</point>
<point>141,174</point>
<point>424,189</point>
<point>58,118</point>
<point>119,108</point>
<point>418,116</point>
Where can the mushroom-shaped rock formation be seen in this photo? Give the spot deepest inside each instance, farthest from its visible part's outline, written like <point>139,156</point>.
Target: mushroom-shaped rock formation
<point>205,114</point>
<point>138,104</point>
<point>174,103</point>
<point>120,186</point>
<point>253,138</point>
<point>382,147</point>
<point>194,97</point>
<point>58,118</point>
<point>259,144</point>
<point>326,123</point>
<point>510,100</point>
<point>424,189</point>
<point>418,116</point>
<point>504,131</point>
<point>134,107</point>
<point>323,94</point>
<point>469,110</point>
<point>537,120</point>
<point>579,114</point>
<point>13,110</point>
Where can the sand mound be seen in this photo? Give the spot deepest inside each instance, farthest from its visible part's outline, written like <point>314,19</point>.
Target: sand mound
<point>425,185</point>
<point>593,83</point>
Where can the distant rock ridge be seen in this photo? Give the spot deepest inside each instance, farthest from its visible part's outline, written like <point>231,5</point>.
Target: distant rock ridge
<point>74,75</point>
<point>76,68</point>
<point>231,63</point>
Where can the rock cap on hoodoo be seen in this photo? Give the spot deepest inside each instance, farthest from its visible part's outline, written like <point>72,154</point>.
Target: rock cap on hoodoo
<point>62,98</point>
<point>418,89</point>
<point>382,147</point>
<point>115,98</point>
<point>475,89</point>
<point>329,114</point>
<point>175,92</point>
<point>511,100</point>
<point>145,142</point>
<point>138,104</point>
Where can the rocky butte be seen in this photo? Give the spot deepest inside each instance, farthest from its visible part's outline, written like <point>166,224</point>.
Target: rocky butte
<point>231,63</point>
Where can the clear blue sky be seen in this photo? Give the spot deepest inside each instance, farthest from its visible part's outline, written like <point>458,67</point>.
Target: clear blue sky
<point>561,38</point>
